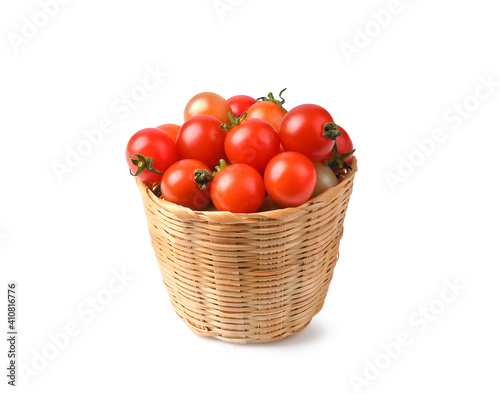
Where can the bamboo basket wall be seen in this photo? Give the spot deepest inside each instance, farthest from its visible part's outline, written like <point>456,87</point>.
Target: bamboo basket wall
<point>248,277</point>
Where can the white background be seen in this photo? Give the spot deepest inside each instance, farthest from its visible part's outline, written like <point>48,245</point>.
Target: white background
<point>62,239</point>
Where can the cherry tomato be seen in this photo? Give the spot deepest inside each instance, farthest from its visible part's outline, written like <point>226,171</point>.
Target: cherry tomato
<point>253,142</point>
<point>201,138</point>
<point>178,185</point>
<point>150,152</point>
<point>238,188</point>
<point>208,103</point>
<point>240,104</point>
<point>170,129</point>
<point>268,111</point>
<point>340,159</point>
<point>302,131</point>
<point>325,179</point>
<point>290,179</point>
<point>344,144</point>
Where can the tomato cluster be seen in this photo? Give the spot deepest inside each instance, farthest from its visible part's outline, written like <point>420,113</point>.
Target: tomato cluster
<point>233,152</point>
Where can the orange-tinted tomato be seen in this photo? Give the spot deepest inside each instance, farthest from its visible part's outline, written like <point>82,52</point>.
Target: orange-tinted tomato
<point>170,129</point>
<point>208,103</point>
<point>270,112</point>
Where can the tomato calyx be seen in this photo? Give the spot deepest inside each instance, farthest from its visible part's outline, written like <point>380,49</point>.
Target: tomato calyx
<point>270,97</point>
<point>337,162</point>
<point>331,131</point>
<point>234,121</point>
<point>220,167</point>
<point>143,164</point>
<point>203,177</point>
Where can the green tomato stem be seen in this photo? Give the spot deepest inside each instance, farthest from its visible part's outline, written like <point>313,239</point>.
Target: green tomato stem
<point>143,164</point>
<point>331,131</point>
<point>270,97</point>
<point>234,121</point>
<point>203,177</point>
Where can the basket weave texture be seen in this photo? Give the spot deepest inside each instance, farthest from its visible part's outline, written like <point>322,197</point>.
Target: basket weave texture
<point>248,277</point>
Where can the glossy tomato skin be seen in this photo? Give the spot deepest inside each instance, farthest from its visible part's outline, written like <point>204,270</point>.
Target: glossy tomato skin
<point>290,179</point>
<point>268,111</point>
<point>240,104</point>
<point>201,138</point>
<point>238,188</point>
<point>253,142</point>
<point>154,143</point>
<point>178,185</point>
<point>344,144</point>
<point>208,103</point>
<point>171,129</point>
<point>302,131</point>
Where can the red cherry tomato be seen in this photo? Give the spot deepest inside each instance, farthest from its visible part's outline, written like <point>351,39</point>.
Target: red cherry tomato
<point>240,104</point>
<point>344,144</point>
<point>178,185</point>
<point>201,138</point>
<point>253,142</point>
<point>238,188</point>
<point>302,131</point>
<point>290,179</point>
<point>170,129</point>
<point>208,103</point>
<point>153,151</point>
<point>268,111</point>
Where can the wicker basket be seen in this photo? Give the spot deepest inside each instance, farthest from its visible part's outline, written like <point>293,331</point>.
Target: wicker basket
<point>248,277</point>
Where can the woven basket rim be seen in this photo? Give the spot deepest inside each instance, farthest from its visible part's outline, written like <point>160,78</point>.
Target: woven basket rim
<point>225,216</point>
